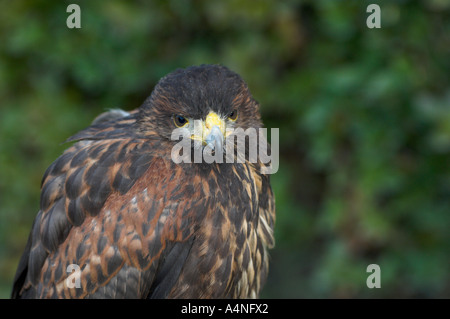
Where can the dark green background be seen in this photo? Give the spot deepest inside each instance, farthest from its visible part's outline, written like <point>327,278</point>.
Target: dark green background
<point>364,118</point>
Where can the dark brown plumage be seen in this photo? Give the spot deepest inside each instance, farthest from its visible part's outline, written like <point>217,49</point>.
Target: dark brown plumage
<point>141,226</point>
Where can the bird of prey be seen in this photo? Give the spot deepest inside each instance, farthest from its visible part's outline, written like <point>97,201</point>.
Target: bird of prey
<point>139,225</point>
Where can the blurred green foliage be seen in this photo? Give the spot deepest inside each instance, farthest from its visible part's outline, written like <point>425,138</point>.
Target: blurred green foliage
<point>364,118</point>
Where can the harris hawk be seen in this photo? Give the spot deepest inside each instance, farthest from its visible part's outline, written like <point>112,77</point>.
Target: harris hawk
<point>139,225</point>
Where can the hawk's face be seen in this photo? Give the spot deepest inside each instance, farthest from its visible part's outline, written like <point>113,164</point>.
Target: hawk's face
<point>209,101</point>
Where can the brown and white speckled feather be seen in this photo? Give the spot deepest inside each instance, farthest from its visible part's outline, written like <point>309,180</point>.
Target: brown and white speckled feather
<point>141,226</point>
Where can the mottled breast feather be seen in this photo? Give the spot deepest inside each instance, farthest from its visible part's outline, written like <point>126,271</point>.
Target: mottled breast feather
<point>136,224</point>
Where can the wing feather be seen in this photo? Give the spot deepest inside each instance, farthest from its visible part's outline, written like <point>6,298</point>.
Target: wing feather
<point>101,208</point>
<point>113,204</point>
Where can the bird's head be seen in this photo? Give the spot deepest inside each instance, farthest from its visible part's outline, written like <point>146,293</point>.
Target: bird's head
<point>208,101</point>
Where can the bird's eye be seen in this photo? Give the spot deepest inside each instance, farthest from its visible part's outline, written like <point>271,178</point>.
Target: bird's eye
<point>180,121</point>
<point>233,115</point>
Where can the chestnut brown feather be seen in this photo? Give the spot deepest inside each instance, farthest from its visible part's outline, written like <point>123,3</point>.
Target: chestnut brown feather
<point>140,226</point>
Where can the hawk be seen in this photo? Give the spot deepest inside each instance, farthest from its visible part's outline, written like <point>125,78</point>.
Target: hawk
<point>138,225</point>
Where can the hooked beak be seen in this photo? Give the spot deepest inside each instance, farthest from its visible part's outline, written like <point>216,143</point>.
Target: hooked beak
<point>215,138</point>
<point>212,131</point>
